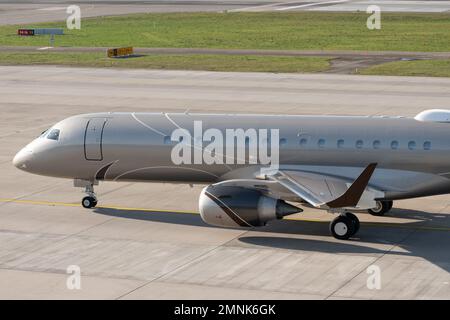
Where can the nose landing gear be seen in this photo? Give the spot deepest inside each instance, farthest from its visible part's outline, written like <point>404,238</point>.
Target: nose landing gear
<point>344,226</point>
<point>90,201</point>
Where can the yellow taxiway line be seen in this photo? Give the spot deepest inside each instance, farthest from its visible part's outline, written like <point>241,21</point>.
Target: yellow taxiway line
<point>69,204</point>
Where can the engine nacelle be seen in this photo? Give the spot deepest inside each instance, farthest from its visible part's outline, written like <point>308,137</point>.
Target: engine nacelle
<point>229,206</point>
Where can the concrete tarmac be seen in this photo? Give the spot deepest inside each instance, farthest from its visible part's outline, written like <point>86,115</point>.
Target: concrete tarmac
<point>34,11</point>
<point>143,243</point>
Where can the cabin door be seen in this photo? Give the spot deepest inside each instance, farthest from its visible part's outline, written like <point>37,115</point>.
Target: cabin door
<point>93,139</point>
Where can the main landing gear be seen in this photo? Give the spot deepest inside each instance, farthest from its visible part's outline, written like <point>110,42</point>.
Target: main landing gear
<point>344,226</point>
<point>90,201</point>
<point>382,206</point>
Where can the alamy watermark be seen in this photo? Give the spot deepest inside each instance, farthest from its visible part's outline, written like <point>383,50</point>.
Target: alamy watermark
<point>74,19</point>
<point>374,20</point>
<point>73,281</point>
<point>227,146</point>
<point>373,281</point>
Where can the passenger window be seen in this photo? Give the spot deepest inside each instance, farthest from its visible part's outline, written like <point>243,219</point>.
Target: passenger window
<point>283,141</point>
<point>394,145</point>
<point>303,142</point>
<point>53,135</point>
<point>167,140</point>
<point>321,143</point>
<point>376,144</point>
<point>411,145</point>
<point>359,144</point>
<point>340,143</point>
<point>427,145</point>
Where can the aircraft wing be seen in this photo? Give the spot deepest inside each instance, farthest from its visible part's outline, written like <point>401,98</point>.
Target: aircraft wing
<point>325,191</point>
<point>319,190</point>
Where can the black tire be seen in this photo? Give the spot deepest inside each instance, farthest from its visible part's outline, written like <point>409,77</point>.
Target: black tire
<point>88,202</point>
<point>355,221</point>
<point>383,206</point>
<point>342,227</point>
<point>390,204</point>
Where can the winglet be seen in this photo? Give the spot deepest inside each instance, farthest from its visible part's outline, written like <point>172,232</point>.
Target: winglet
<point>351,197</point>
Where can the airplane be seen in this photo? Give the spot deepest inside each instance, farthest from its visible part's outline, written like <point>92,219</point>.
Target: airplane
<point>343,164</point>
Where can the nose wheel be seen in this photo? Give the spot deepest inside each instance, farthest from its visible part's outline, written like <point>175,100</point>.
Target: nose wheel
<point>344,226</point>
<point>90,201</point>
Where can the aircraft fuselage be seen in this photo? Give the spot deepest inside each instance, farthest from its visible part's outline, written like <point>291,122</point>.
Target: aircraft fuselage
<point>412,156</point>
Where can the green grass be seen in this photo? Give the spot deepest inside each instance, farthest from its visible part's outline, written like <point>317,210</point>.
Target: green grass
<point>268,30</point>
<point>436,68</point>
<point>173,62</point>
<point>431,68</point>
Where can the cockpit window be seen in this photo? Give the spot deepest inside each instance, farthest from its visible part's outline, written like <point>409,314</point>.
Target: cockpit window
<point>53,135</point>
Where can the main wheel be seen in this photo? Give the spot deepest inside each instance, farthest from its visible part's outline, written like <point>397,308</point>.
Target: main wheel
<point>390,204</point>
<point>355,221</point>
<point>382,206</point>
<point>89,202</point>
<point>342,227</point>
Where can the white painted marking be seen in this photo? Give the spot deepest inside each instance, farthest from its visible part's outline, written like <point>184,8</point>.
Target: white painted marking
<point>312,4</point>
<point>402,5</point>
<point>390,6</point>
<point>263,6</point>
<point>425,3</point>
<point>52,9</point>
<point>44,48</point>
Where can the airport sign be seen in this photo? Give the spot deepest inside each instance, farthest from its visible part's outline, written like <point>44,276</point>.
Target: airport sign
<point>40,31</point>
<point>25,32</point>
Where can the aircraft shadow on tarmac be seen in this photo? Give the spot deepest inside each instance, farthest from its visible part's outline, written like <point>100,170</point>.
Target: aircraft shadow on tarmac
<point>371,239</point>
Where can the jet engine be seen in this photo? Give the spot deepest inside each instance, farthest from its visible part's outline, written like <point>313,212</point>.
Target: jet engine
<point>231,206</point>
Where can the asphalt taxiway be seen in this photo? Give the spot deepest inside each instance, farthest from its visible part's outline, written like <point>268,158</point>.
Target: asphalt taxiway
<point>142,242</point>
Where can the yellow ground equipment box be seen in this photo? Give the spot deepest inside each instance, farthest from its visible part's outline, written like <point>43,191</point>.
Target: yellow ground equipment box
<point>120,52</point>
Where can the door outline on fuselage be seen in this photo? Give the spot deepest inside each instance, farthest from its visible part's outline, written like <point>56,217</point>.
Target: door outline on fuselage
<point>94,151</point>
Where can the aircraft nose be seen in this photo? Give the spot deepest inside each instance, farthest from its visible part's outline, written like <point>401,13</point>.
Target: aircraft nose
<point>22,158</point>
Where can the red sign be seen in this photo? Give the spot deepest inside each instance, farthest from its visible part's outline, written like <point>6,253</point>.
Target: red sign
<point>25,32</point>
